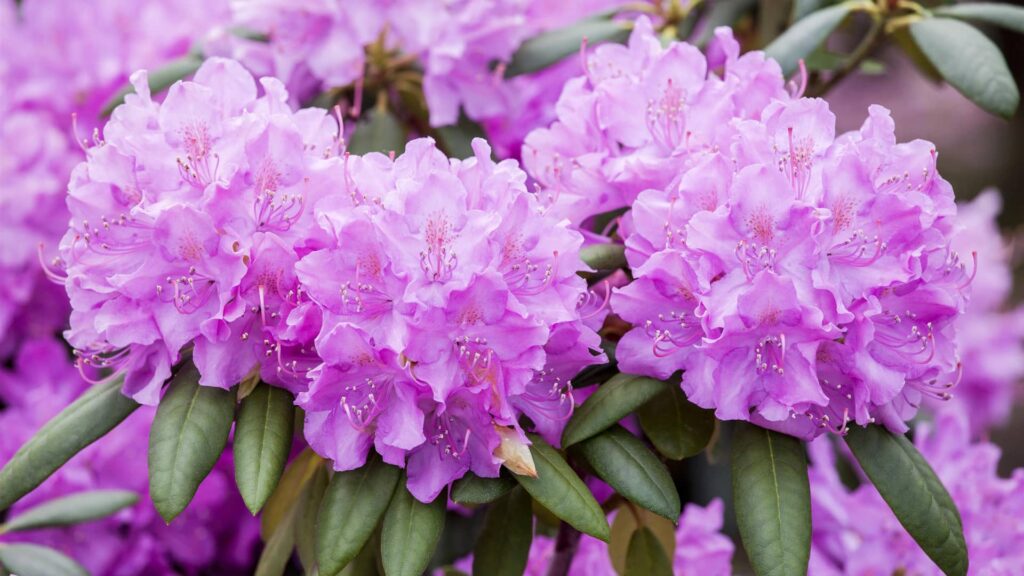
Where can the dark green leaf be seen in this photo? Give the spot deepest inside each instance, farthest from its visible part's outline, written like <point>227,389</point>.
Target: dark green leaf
<point>263,438</point>
<point>410,532</point>
<point>159,80</point>
<point>278,550</point>
<point>351,509</point>
<point>305,522</point>
<point>86,420</point>
<point>562,492</point>
<point>915,494</point>
<point>722,13</point>
<point>646,557</point>
<point>189,433</point>
<point>621,460</point>
<point>380,132</point>
<point>997,14</point>
<point>677,428</point>
<point>33,560</point>
<point>970,62</point>
<point>457,139</point>
<point>604,256</point>
<point>772,498</point>
<point>613,401</point>
<point>806,35</point>
<point>72,509</point>
<point>472,489</point>
<point>504,544</point>
<point>548,48</point>
<point>367,562</point>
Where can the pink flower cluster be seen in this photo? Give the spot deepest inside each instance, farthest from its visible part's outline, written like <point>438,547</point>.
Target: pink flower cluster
<point>854,532</point>
<point>215,535</point>
<point>450,305</point>
<point>801,280</point>
<point>186,222</point>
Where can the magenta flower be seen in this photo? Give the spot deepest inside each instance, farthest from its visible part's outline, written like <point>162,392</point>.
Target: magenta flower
<point>215,534</point>
<point>450,306</point>
<point>187,220</point>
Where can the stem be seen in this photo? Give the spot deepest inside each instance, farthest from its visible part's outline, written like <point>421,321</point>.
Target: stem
<point>856,57</point>
<point>565,548</point>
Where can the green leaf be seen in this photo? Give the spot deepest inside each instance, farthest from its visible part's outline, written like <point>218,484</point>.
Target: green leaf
<point>807,34</point>
<point>562,492</point>
<point>86,420</point>
<point>802,8</point>
<point>278,550</point>
<point>622,460</point>
<point>263,438</point>
<point>474,490</point>
<point>551,47</point>
<point>74,509</point>
<point>722,13</point>
<point>33,560</point>
<point>772,498</point>
<point>677,428</point>
<point>159,80</point>
<point>292,483</point>
<point>367,562</point>
<point>306,515</point>
<point>629,519</point>
<point>381,132</point>
<point>457,139</point>
<point>351,509</point>
<point>906,42</point>
<point>604,256</point>
<point>189,433</point>
<point>998,14</point>
<point>970,62</point>
<point>646,557</point>
<point>915,494</point>
<point>613,401</point>
<point>504,544</point>
<point>410,532</point>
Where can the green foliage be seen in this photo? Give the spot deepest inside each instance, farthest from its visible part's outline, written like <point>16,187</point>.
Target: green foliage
<point>263,438</point>
<point>73,509</point>
<point>504,544</point>
<point>410,532</point>
<point>380,132</point>
<point>994,13</point>
<point>613,401</point>
<point>802,38</point>
<point>609,256</point>
<point>553,46</point>
<point>473,490</point>
<point>646,557</point>
<point>676,427</point>
<point>33,560</point>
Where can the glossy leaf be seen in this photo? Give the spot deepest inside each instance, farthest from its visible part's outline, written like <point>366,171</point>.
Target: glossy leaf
<point>909,46</point>
<point>474,490</point>
<point>772,498</point>
<point>83,422</point>
<point>159,80</point>
<point>189,433</point>
<point>410,532</point>
<point>915,494</point>
<point>263,438</point>
<point>629,519</point>
<point>613,400</point>
<point>559,489</point>
<point>504,544</point>
<point>995,13</point>
<point>352,507</point>
<point>33,560</point>
<point>380,132</point>
<point>805,36</point>
<point>626,464</point>
<point>970,62</point>
<point>284,497</point>
<point>72,509</point>
<point>677,428</point>
<point>646,557</point>
<point>553,46</point>
<point>604,256</point>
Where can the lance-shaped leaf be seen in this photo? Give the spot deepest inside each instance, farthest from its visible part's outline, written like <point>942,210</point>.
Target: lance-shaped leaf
<point>551,47</point>
<point>677,428</point>
<point>159,80</point>
<point>604,256</point>
<point>410,533</point>
<point>646,557</point>
<point>73,509</point>
<point>189,433</point>
<point>773,499</point>
<point>559,489</point>
<point>292,483</point>
<point>33,560</point>
<point>381,132</point>
<point>504,544</point>
<point>474,490</point>
<point>352,507</point>
<point>808,33</point>
<point>995,13</point>
<point>914,493</point>
<point>263,437</point>
<point>613,400</point>
<point>86,420</point>
<point>307,509</point>
<point>970,62</point>
<point>622,460</point>
<point>278,550</point>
